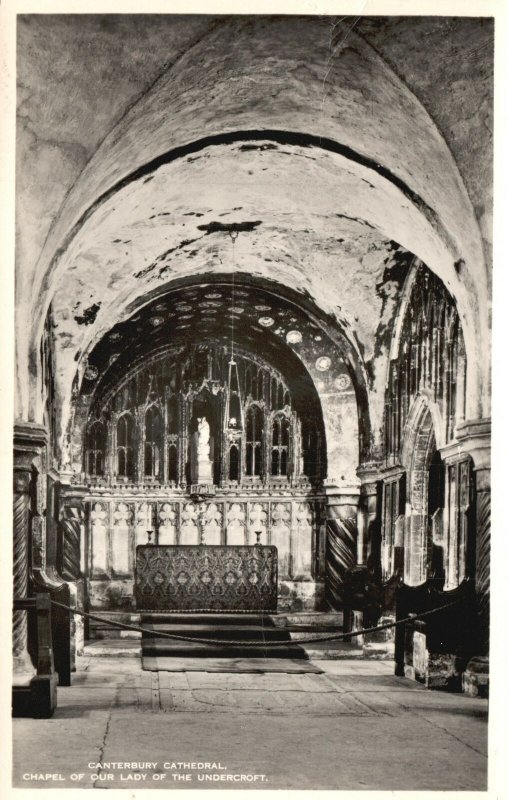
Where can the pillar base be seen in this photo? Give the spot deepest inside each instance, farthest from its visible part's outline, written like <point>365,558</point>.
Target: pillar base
<point>475,680</point>
<point>37,698</point>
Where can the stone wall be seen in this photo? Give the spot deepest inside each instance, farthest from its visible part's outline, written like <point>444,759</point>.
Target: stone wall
<point>118,522</point>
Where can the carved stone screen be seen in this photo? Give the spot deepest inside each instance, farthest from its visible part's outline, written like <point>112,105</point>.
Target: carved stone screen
<point>206,578</point>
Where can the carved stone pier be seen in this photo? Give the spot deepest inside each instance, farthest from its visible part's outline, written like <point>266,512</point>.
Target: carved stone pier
<point>33,694</point>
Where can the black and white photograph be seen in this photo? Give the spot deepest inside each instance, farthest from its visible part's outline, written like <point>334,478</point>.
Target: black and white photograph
<point>252,260</point>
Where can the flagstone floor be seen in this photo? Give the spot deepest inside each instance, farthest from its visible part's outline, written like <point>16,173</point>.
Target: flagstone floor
<point>356,726</point>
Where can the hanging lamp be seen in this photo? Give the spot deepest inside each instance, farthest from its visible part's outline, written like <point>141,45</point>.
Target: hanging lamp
<point>233,418</point>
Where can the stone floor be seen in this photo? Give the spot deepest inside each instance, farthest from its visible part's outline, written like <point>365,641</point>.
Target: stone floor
<point>354,727</point>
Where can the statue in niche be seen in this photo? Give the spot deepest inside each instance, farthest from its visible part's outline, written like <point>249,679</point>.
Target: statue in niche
<point>201,465</point>
<point>203,438</point>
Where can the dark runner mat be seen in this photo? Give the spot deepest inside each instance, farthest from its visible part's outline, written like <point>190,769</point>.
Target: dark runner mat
<point>232,665</point>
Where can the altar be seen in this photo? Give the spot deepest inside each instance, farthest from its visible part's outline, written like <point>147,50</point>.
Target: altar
<point>206,578</point>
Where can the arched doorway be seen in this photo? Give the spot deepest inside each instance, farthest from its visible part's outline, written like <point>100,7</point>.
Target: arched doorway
<point>423,547</point>
<point>435,507</point>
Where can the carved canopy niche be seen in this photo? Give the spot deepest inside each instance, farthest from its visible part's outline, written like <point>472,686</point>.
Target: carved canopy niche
<point>431,360</point>
<point>263,427</point>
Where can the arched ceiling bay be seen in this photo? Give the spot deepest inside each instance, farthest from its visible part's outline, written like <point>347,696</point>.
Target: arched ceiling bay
<point>299,211</point>
<point>250,317</point>
<point>328,218</point>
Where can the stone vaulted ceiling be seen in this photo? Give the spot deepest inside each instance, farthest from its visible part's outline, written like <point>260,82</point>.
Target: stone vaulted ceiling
<point>141,142</point>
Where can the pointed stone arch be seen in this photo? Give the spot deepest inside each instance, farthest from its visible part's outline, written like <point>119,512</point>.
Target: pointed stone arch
<point>421,438</point>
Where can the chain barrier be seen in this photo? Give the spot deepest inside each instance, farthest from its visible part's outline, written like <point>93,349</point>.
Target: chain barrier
<point>244,642</point>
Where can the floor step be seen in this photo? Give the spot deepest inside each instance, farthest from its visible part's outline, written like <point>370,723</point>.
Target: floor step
<point>255,632</point>
<point>113,647</point>
<point>219,620</point>
<point>244,629</point>
<point>158,647</point>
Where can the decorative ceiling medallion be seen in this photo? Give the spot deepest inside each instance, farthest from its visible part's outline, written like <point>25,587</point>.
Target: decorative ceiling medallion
<point>91,373</point>
<point>266,322</point>
<point>262,308</point>
<point>156,321</point>
<point>213,296</point>
<point>342,382</point>
<point>241,293</point>
<point>183,307</point>
<point>115,336</point>
<point>237,309</point>
<point>323,363</point>
<point>160,307</point>
<point>181,327</point>
<point>317,338</point>
<point>293,337</point>
<point>208,312</point>
<point>210,304</point>
<point>185,316</point>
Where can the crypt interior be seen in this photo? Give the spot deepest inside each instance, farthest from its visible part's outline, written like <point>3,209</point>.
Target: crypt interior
<point>253,286</point>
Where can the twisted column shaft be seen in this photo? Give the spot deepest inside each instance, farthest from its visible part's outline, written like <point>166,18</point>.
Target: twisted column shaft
<point>483,553</point>
<point>22,662</point>
<point>29,441</point>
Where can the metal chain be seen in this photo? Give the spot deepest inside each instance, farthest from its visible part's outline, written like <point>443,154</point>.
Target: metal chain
<point>243,642</point>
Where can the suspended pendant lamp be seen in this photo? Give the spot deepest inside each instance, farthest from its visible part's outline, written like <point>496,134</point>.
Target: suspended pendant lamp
<point>234,411</point>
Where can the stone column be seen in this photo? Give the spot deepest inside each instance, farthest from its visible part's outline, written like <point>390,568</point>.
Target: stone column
<point>29,439</point>
<point>368,474</point>
<point>474,437</point>
<point>342,536</point>
<point>71,533</point>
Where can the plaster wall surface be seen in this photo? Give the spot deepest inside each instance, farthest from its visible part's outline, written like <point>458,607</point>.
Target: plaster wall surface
<point>397,178</point>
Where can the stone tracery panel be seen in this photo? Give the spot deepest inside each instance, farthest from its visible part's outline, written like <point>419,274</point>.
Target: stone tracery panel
<point>301,545</point>
<point>258,521</point>
<point>121,546</point>
<point>280,535</point>
<point>211,521</point>
<point>235,525</point>
<point>189,528</point>
<point>425,400</point>
<point>99,540</point>
<point>143,522</point>
<point>431,359</point>
<point>168,513</point>
<point>115,526</point>
<point>150,414</point>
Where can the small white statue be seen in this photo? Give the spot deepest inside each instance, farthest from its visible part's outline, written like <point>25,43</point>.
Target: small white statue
<point>203,438</point>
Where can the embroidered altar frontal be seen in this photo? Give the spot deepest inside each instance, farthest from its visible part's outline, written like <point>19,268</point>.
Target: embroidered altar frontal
<point>206,578</point>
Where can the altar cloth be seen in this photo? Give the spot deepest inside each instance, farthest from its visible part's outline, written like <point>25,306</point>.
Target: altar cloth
<point>218,578</point>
